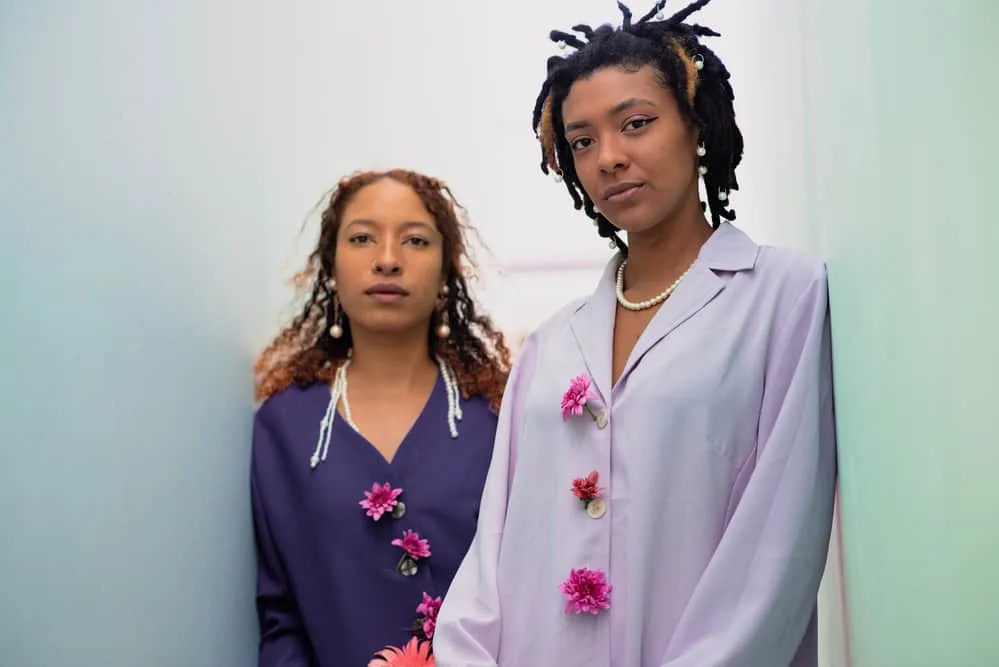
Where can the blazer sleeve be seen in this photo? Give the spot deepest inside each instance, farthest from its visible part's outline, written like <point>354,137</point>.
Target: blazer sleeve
<point>469,621</point>
<point>756,600</point>
<point>283,642</point>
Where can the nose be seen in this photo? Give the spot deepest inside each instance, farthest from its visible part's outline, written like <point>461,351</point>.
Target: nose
<point>611,156</point>
<point>387,261</point>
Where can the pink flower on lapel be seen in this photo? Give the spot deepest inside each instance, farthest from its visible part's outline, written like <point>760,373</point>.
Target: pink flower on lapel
<point>380,500</point>
<point>586,592</point>
<point>413,544</point>
<point>577,398</point>
<point>427,610</point>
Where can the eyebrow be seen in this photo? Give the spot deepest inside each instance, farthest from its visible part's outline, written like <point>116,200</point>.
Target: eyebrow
<point>623,106</point>
<point>409,224</point>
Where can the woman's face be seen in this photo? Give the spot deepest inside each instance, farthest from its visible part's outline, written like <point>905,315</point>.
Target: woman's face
<point>389,258</point>
<point>634,152</point>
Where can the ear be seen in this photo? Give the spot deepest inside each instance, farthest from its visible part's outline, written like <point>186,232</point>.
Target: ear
<point>693,132</point>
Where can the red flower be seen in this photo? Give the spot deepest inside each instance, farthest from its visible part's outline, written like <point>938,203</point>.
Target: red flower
<point>380,500</point>
<point>586,592</point>
<point>413,544</point>
<point>586,489</point>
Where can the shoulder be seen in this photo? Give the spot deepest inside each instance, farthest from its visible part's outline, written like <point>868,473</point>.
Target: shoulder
<point>789,276</point>
<point>554,328</point>
<point>286,416</point>
<point>475,409</point>
<point>795,283</point>
<point>289,402</point>
<point>790,267</point>
<point>558,322</point>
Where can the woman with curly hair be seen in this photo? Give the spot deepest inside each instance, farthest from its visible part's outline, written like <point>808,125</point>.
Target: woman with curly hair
<point>378,415</point>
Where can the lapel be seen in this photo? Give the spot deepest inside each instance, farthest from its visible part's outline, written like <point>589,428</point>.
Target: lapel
<point>592,325</point>
<point>728,250</point>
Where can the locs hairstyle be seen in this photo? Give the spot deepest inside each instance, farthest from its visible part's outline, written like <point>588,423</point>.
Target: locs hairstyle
<point>305,351</point>
<point>692,72</point>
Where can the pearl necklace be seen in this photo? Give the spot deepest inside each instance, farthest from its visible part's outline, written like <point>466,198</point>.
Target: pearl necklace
<point>338,394</point>
<point>648,303</point>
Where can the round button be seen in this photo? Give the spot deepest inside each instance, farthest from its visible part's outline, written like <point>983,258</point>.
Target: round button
<point>596,508</point>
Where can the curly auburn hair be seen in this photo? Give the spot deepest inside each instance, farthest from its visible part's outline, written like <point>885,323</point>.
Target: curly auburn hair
<point>304,352</point>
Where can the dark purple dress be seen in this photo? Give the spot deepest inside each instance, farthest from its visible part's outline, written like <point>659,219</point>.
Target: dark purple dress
<point>329,590</point>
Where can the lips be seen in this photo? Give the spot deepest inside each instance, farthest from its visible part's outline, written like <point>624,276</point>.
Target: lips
<point>386,289</point>
<point>621,191</point>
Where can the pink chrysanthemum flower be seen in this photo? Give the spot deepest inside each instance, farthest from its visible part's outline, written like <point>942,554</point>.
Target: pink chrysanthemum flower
<point>413,654</point>
<point>575,398</point>
<point>413,544</point>
<point>380,500</point>
<point>586,592</point>
<point>428,609</point>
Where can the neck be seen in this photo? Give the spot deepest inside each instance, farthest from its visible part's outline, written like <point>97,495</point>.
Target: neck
<point>392,362</point>
<point>658,256</point>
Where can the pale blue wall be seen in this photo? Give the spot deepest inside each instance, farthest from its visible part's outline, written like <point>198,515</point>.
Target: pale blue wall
<point>130,252</point>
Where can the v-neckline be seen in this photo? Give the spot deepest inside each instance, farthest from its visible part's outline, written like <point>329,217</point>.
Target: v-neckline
<point>413,428</point>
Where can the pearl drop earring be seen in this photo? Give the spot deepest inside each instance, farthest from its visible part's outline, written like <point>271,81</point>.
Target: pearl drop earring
<point>336,331</point>
<point>444,330</point>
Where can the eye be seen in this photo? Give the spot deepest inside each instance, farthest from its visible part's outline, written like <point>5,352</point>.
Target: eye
<point>580,143</point>
<point>417,241</point>
<point>359,239</point>
<point>638,123</point>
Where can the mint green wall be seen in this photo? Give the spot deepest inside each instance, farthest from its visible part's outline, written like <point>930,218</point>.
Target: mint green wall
<point>130,252</point>
<point>902,154</point>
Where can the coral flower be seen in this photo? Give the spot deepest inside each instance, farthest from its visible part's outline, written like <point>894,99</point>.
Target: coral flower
<point>413,654</point>
<point>413,544</point>
<point>586,592</point>
<point>586,489</point>
<point>380,500</point>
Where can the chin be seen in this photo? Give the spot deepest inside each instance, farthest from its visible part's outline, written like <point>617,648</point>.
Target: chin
<point>391,325</point>
<point>645,217</point>
<point>634,221</point>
